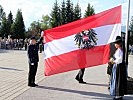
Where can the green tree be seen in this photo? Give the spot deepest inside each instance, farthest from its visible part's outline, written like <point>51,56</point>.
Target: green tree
<point>35,27</point>
<point>34,30</point>
<point>4,28</point>
<point>9,22</point>
<point>63,13</point>
<point>18,27</point>
<point>77,12</point>
<point>55,15</point>
<point>2,14</point>
<point>10,18</point>
<point>45,22</point>
<point>29,33</point>
<point>131,28</point>
<point>90,11</point>
<point>69,11</point>
<point>131,24</point>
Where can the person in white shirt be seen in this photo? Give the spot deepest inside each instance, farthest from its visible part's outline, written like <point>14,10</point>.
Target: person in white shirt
<point>119,76</point>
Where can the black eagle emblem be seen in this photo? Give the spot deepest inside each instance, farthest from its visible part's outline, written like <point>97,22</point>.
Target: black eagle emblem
<point>86,39</point>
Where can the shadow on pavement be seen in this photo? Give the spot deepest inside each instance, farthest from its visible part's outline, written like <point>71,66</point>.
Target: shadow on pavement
<point>106,85</point>
<point>106,96</point>
<point>10,69</point>
<point>97,96</point>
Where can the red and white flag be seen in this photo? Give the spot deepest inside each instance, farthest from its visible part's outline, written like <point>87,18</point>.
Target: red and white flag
<point>61,54</point>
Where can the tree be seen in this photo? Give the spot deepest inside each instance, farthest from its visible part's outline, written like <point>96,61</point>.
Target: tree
<point>131,28</point>
<point>131,24</point>
<point>9,22</point>
<point>34,29</point>
<point>2,14</point>
<point>77,12</point>
<point>63,13</point>
<point>4,28</point>
<point>29,33</point>
<point>10,18</point>
<point>69,11</point>
<point>18,27</point>
<point>45,22</point>
<point>55,15</point>
<point>90,11</point>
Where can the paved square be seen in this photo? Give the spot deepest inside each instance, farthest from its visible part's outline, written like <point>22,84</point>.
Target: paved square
<point>14,73</point>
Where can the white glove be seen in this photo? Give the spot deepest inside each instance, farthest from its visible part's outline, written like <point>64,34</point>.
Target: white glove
<point>42,33</point>
<point>32,63</point>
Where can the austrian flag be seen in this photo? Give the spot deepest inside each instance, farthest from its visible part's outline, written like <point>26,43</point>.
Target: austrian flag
<point>81,44</point>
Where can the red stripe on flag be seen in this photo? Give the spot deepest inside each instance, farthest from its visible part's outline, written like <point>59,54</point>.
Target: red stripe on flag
<point>78,59</point>
<point>108,17</point>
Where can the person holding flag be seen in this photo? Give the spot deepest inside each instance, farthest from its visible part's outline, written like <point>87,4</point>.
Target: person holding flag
<point>79,76</point>
<point>80,44</point>
<point>118,77</point>
<point>33,59</point>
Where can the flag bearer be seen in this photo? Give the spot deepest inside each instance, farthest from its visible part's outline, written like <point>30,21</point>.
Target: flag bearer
<point>33,60</point>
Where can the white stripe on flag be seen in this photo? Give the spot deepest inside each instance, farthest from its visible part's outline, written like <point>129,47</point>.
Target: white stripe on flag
<point>105,34</point>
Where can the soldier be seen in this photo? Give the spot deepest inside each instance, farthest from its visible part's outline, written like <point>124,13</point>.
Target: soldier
<point>26,43</point>
<point>33,60</point>
<point>80,75</point>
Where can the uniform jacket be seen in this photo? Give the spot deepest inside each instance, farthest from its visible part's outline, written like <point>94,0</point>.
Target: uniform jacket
<point>33,52</point>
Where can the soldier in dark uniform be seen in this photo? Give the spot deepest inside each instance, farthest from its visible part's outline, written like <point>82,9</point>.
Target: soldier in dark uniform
<point>33,60</point>
<point>80,75</point>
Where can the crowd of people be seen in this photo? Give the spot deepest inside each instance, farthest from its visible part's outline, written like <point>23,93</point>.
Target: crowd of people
<point>16,44</point>
<point>8,43</point>
<point>131,49</point>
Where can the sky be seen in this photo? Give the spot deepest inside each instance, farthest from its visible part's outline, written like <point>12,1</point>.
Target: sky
<point>32,10</point>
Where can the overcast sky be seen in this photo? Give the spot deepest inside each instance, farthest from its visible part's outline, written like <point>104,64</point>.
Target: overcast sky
<point>33,10</point>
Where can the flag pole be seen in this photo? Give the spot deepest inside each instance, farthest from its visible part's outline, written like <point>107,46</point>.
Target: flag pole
<point>127,37</point>
<point>78,2</point>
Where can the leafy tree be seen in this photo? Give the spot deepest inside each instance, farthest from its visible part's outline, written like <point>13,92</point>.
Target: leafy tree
<point>29,33</point>
<point>45,22</point>
<point>69,11</point>
<point>55,15</point>
<point>90,11</point>
<point>131,28</point>
<point>63,13</point>
<point>34,29</point>
<point>18,27</point>
<point>77,12</point>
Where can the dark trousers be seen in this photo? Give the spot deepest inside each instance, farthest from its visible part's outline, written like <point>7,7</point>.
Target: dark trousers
<point>32,73</point>
<point>80,74</point>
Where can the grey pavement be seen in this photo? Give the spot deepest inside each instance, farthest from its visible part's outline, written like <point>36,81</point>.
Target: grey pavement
<point>14,73</point>
<point>13,81</point>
